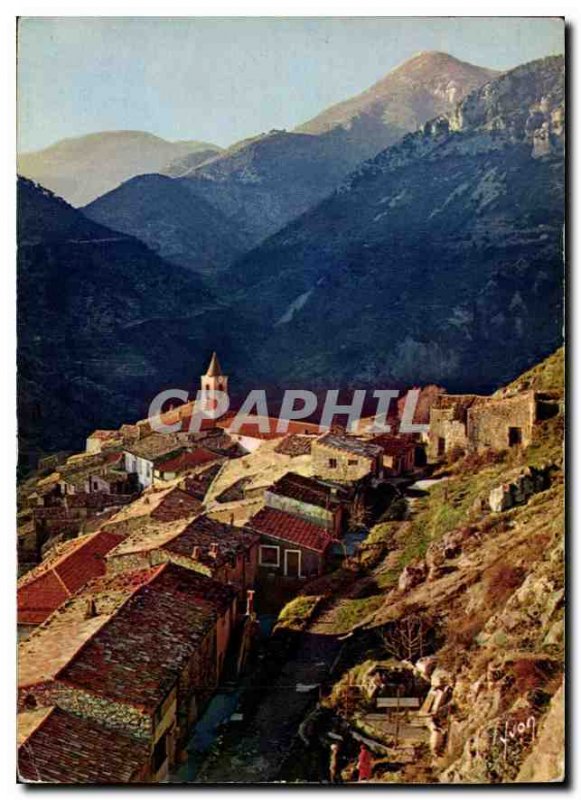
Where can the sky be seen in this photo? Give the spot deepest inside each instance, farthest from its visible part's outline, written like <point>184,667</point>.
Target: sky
<point>223,79</point>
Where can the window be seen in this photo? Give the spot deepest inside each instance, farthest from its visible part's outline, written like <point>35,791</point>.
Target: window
<point>352,462</point>
<point>332,463</point>
<point>514,437</point>
<point>269,555</point>
<point>441,445</point>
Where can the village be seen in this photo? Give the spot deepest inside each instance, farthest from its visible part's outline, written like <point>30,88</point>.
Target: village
<point>154,566</point>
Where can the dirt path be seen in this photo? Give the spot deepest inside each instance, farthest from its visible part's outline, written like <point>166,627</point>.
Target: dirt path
<point>256,752</point>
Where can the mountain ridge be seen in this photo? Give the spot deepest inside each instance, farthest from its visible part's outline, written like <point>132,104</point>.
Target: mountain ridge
<point>81,168</point>
<point>479,198</point>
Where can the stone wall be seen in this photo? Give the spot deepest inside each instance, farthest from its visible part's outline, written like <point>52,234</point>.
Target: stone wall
<point>499,424</point>
<point>349,467</point>
<point>111,714</point>
<point>445,434</point>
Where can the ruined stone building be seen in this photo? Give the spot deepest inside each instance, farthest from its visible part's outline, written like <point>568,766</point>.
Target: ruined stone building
<point>471,423</point>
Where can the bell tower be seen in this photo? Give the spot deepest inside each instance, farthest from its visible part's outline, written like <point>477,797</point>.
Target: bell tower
<point>214,379</point>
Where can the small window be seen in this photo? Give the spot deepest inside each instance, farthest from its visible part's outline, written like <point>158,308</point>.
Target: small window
<point>514,437</point>
<point>332,463</point>
<point>352,462</point>
<point>269,555</point>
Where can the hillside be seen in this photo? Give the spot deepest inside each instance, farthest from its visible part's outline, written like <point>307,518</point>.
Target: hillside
<point>486,590</point>
<point>103,324</point>
<point>444,252</point>
<point>84,167</point>
<point>183,228</point>
<point>264,182</point>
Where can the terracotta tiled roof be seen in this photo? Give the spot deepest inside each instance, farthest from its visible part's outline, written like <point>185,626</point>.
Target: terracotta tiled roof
<point>395,445</point>
<point>138,654</point>
<point>307,490</point>
<point>185,461</point>
<point>252,427</point>
<point>289,528</point>
<point>154,446</point>
<point>198,485</point>
<point>64,748</point>
<point>162,505</point>
<point>45,587</point>
<point>203,533</point>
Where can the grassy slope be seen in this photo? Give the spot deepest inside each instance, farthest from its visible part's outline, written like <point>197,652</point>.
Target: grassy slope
<point>480,605</point>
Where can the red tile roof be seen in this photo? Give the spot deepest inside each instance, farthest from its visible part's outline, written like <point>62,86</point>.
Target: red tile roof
<point>253,430</point>
<point>395,445</point>
<point>64,748</point>
<point>288,528</point>
<point>137,655</point>
<point>42,590</point>
<point>186,461</point>
<point>204,532</point>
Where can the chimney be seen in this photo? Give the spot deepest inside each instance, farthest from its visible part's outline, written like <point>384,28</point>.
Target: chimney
<point>249,602</point>
<point>196,553</point>
<point>90,609</point>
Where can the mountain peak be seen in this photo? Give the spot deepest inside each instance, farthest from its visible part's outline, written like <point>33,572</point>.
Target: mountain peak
<point>428,84</point>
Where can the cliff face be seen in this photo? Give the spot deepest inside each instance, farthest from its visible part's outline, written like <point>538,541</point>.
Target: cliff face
<point>444,252</point>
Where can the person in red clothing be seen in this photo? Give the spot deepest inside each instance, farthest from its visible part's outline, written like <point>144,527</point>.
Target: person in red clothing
<point>364,764</point>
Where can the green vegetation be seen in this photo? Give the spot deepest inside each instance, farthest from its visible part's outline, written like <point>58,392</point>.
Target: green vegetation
<point>296,614</point>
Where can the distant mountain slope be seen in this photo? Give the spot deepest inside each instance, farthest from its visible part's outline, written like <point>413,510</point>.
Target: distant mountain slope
<point>423,87</point>
<point>184,229</point>
<point>266,181</point>
<point>103,324</point>
<point>83,168</point>
<point>438,261</point>
<point>180,166</point>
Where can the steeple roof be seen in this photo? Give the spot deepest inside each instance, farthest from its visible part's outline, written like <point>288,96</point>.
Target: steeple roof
<point>214,369</point>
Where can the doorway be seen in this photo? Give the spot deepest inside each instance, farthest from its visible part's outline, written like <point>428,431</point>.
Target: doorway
<point>292,563</point>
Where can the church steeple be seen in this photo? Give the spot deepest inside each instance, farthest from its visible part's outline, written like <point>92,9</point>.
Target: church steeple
<point>214,369</point>
<point>214,379</point>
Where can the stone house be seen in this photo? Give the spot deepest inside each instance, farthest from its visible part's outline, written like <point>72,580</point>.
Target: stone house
<point>135,653</point>
<point>101,755</point>
<point>290,547</point>
<point>508,421</point>
<point>141,455</point>
<point>157,505</point>
<point>344,458</point>
<point>223,552</point>
<point>323,504</point>
<point>471,423</point>
<point>448,423</point>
